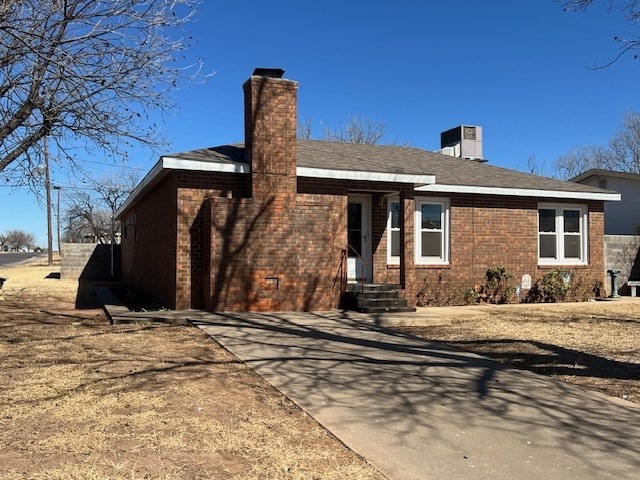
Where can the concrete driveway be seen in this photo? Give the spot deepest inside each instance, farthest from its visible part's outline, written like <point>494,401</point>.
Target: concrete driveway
<point>419,410</point>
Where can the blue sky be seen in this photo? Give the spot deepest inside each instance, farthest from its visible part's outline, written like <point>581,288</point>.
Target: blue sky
<point>518,69</point>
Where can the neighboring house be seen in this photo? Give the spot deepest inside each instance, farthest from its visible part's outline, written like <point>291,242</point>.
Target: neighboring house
<point>621,218</point>
<point>621,223</point>
<point>273,224</point>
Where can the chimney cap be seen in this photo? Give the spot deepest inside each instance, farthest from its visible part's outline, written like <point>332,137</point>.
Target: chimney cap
<point>269,72</point>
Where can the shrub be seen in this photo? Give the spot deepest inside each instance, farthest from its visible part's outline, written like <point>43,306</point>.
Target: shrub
<point>440,293</point>
<point>560,285</point>
<point>555,285</point>
<point>497,287</point>
<point>582,287</point>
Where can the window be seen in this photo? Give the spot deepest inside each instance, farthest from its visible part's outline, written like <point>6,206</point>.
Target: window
<point>432,231</point>
<point>562,234</point>
<point>393,231</point>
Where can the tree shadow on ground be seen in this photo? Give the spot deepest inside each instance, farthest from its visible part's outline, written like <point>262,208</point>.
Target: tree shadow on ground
<point>550,360</point>
<point>384,380</point>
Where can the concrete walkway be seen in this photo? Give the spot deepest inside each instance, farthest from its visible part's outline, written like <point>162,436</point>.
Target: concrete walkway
<point>418,410</point>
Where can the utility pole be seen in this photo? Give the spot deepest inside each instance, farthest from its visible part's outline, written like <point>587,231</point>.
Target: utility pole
<point>57,187</point>
<point>48,188</point>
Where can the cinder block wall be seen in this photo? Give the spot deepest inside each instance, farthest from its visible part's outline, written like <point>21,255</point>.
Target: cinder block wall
<point>88,261</point>
<point>622,253</point>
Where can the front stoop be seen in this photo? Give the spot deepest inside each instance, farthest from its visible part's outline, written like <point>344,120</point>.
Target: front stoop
<point>376,298</point>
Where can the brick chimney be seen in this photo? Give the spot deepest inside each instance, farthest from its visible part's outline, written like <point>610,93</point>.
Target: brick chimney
<point>270,103</point>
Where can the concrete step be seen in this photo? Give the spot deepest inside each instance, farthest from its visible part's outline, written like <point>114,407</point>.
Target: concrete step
<point>376,298</point>
<point>381,302</point>
<point>372,287</point>
<point>386,310</point>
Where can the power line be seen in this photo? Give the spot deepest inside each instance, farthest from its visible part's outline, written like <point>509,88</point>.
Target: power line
<point>63,187</point>
<point>109,164</point>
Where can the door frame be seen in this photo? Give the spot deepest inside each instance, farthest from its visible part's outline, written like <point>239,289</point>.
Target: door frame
<point>354,265</point>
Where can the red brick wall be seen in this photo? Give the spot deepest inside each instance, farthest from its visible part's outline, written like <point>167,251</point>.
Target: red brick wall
<point>265,259</point>
<point>148,259</point>
<point>487,232</point>
<point>193,189</point>
<point>283,252</point>
<point>167,260</point>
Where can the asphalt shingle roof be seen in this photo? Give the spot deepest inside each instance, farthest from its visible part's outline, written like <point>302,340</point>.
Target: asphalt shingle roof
<point>399,160</point>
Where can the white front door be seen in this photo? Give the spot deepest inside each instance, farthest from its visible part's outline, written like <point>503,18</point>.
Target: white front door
<point>359,237</point>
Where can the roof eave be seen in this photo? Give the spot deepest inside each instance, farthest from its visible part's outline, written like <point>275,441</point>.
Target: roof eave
<point>520,192</point>
<point>368,176</point>
<point>599,172</point>
<point>149,180</point>
<point>172,163</point>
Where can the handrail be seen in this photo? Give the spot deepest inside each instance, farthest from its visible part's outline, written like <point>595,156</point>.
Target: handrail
<point>364,263</point>
<point>343,270</point>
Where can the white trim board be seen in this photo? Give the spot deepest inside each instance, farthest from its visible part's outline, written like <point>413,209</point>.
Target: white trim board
<point>428,181</point>
<point>519,192</point>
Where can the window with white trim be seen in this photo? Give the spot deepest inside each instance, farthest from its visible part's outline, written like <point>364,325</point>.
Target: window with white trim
<point>562,234</point>
<point>393,231</point>
<point>432,231</point>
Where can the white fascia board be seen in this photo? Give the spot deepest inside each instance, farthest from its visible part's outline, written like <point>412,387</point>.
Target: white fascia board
<point>172,163</point>
<point>364,175</point>
<point>147,180</point>
<point>519,192</point>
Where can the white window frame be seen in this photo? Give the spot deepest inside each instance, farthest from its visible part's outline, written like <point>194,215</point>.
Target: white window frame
<point>392,259</point>
<point>444,222</point>
<point>560,234</point>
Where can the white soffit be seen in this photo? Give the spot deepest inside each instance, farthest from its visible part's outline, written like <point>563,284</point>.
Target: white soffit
<point>518,192</point>
<point>364,175</point>
<point>173,163</point>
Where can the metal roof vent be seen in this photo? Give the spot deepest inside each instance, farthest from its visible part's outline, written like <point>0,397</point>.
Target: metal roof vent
<point>269,72</point>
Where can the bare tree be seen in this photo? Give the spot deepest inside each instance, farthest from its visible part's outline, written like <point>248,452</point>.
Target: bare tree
<point>19,239</point>
<point>534,166</point>
<point>629,8</point>
<point>88,73</point>
<point>358,129</point>
<point>305,129</point>
<point>91,212</point>
<point>3,241</point>
<point>622,154</point>
<point>624,147</point>
<point>581,159</point>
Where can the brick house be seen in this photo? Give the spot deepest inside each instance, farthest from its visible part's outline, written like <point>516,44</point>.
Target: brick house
<point>279,224</point>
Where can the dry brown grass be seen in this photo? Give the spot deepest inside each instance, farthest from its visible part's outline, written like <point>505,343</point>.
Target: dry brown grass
<point>592,344</point>
<point>84,400</point>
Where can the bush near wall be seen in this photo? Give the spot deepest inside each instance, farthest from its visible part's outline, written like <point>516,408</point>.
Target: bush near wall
<point>557,285</point>
<point>563,285</point>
